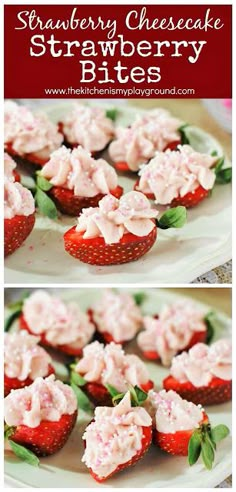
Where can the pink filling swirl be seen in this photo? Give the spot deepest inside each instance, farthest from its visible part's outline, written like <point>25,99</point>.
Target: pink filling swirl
<point>110,365</point>
<point>23,357</point>
<point>44,399</point>
<point>89,127</point>
<point>114,437</point>
<point>202,363</point>
<point>113,218</point>
<point>17,200</point>
<point>172,331</point>
<point>29,133</point>
<point>60,323</point>
<point>172,174</point>
<point>117,314</point>
<point>147,135</point>
<point>76,170</point>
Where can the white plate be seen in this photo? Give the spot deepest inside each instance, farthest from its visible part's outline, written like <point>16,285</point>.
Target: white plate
<point>179,256</point>
<point>157,469</point>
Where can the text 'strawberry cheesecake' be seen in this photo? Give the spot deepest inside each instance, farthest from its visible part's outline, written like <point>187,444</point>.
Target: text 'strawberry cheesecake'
<point>78,180</point>
<point>10,168</point>
<point>41,416</point>
<point>181,177</point>
<point>101,365</point>
<point>62,326</point>
<point>117,231</point>
<point>117,438</point>
<point>87,126</point>
<point>155,131</point>
<point>19,215</point>
<point>204,374</point>
<point>178,327</point>
<point>116,316</point>
<point>24,360</point>
<point>28,136</point>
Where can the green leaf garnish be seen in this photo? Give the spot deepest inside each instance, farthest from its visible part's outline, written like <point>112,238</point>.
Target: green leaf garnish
<point>82,400</point>
<point>212,323</point>
<point>77,379</point>
<point>194,448</point>
<point>184,138</point>
<point>214,153</point>
<point>174,217</point>
<point>139,298</point>
<point>45,205</point>
<point>15,309</point>
<point>112,113</point>
<point>224,176</point>
<point>23,453</point>
<point>43,183</point>
<point>137,395</point>
<point>141,395</point>
<point>219,432</point>
<point>219,164</point>
<point>207,454</point>
<point>113,391</point>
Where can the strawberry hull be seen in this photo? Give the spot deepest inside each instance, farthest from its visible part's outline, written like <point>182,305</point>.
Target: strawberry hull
<point>218,391</point>
<point>146,442</point>
<point>15,383</point>
<point>47,438</point>
<point>96,252</point>
<point>71,204</point>
<point>16,230</point>
<point>66,349</point>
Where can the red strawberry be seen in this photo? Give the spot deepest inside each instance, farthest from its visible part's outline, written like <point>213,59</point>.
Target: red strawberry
<point>26,158</point>
<point>176,443</point>
<point>48,437</point>
<point>96,252</point>
<point>16,176</point>
<point>14,383</point>
<point>172,145</point>
<point>16,230</point>
<point>217,391</point>
<point>197,337</point>
<point>146,442</point>
<point>191,199</point>
<point>66,349</point>
<point>70,204</point>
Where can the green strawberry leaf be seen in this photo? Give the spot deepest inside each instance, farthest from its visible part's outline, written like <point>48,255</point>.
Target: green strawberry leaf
<point>214,153</point>
<point>24,453</point>
<point>112,113</point>
<point>213,324</point>
<point>45,205</point>
<point>194,448</point>
<point>43,183</point>
<point>183,136</point>
<point>219,164</point>
<point>11,318</point>
<point>174,217</point>
<point>139,298</point>
<point>224,176</point>
<point>77,379</point>
<point>113,391</point>
<point>207,454</point>
<point>82,400</point>
<point>117,398</point>
<point>140,394</point>
<point>219,432</point>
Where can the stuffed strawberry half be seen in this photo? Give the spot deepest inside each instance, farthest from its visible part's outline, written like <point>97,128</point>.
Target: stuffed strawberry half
<point>178,327</point>
<point>88,126</point>
<point>78,181</point>
<point>183,428</point>
<point>24,361</point>
<point>61,326</point>
<point>116,439</point>
<point>153,131</point>
<point>19,215</point>
<point>204,374</point>
<point>40,417</point>
<point>116,316</point>
<point>118,231</point>
<point>107,367</point>
<point>29,137</point>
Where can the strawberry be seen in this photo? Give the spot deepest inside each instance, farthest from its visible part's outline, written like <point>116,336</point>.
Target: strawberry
<point>16,176</point>
<point>217,391</point>
<point>66,349</point>
<point>15,383</point>
<point>47,438</point>
<point>191,199</point>
<point>70,204</point>
<point>26,158</point>
<point>96,252</point>
<point>145,445</point>
<point>16,230</point>
<point>197,337</point>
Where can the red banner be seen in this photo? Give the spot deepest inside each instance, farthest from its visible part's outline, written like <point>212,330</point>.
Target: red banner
<point>118,51</point>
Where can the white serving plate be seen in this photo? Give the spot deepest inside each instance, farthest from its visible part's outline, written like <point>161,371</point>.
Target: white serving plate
<point>178,256</point>
<point>157,469</point>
